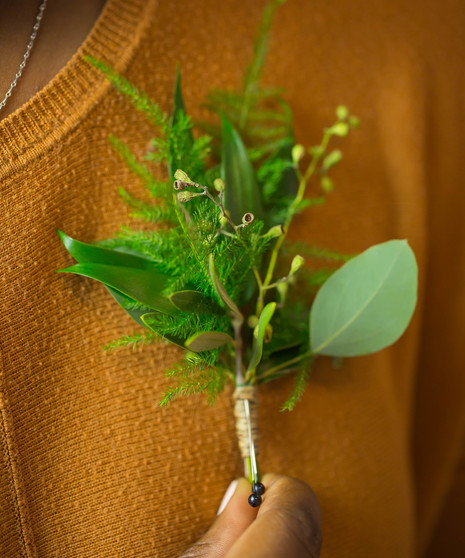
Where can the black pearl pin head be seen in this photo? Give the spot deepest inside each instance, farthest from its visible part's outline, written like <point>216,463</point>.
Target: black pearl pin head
<point>258,488</point>
<point>255,500</point>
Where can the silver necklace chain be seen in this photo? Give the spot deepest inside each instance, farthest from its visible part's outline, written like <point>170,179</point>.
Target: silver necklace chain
<point>32,38</point>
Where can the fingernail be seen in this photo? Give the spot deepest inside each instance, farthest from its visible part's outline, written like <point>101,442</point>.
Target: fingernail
<point>227,496</point>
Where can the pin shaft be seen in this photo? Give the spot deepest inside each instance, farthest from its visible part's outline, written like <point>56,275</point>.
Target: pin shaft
<point>253,459</point>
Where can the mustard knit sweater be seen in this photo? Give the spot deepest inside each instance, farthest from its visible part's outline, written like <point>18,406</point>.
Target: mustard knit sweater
<point>90,466</point>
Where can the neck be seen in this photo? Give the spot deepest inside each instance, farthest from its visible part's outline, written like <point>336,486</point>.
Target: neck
<point>65,25</point>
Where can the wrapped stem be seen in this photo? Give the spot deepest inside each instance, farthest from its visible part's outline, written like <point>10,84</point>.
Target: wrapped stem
<point>246,394</point>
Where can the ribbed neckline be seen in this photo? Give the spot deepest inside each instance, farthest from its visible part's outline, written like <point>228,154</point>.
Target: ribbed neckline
<point>61,104</point>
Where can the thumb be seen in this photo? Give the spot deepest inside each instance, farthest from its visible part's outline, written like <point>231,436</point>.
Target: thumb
<point>228,527</point>
<point>287,524</point>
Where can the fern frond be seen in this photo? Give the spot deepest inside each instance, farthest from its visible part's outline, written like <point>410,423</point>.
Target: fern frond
<point>196,377</point>
<point>138,98</point>
<point>301,382</point>
<point>150,212</point>
<point>133,341</point>
<point>254,71</point>
<point>139,169</point>
<point>186,325</point>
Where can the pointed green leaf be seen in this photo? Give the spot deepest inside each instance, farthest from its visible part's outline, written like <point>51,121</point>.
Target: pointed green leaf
<point>207,340</point>
<point>194,302</point>
<point>146,320</point>
<point>259,338</point>
<point>273,349</point>
<point>290,181</point>
<point>142,285</point>
<point>179,111</point>
<point>178,101</point>
<point>123,301</point>
<point>281,363</point>
<point>90,253</point>
<point>220,290</point>
<point>367,304</point>
<point>241,194</point>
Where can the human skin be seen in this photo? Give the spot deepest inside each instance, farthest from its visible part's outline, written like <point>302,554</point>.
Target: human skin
<point>64,27</point>
<point>287,524</point>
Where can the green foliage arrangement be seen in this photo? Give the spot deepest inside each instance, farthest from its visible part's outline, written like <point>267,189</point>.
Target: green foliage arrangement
<point>217,275</point>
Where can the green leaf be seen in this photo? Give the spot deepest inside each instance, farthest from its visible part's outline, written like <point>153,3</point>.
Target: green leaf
<point>259,338</point>
<point>367,304</point>
<point>276,367</point>
<point>283,362</point>
<point>95,255</point>
<point>179,110</point>
<point>220,290</point>
<point>90,253</point>
<point>290,182</point>
<point>207,340</point>
<point>142,285</point>
<point>254,70</point>
<point>241,194</point>
<point>146,319</point>
<point>194,302</point>
<point>138,98</point>
<point>123,301</point>
<point>178,103</point>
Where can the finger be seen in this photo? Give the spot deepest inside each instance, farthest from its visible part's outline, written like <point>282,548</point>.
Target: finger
<point>236,517</point>
<point>288,523</point>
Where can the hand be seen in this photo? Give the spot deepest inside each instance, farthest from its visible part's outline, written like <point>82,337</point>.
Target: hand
<point>286,525</point>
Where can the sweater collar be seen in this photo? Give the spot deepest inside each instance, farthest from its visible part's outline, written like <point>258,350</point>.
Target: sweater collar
<point>58,108</point>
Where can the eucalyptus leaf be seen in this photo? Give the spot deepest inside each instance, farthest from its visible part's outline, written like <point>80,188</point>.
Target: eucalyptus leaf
<point>194,302</point>
<point>259,338</point>
<point>241,194</point>
<point>207,340</point>
<point>144,286</point>
<point>367,304</point>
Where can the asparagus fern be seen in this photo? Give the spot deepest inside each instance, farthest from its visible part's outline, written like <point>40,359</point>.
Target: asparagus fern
<point>216,274</point>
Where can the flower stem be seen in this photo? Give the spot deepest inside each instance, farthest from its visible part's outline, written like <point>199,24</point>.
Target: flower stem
<point>239,375</point>
<point>319,152</point>
<point>271,371</point>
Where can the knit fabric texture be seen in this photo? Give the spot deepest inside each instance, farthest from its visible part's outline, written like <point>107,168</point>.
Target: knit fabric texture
<point>90,466</point>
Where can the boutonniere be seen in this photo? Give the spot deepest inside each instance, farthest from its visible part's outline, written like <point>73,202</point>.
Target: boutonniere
<point>217,274</point>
